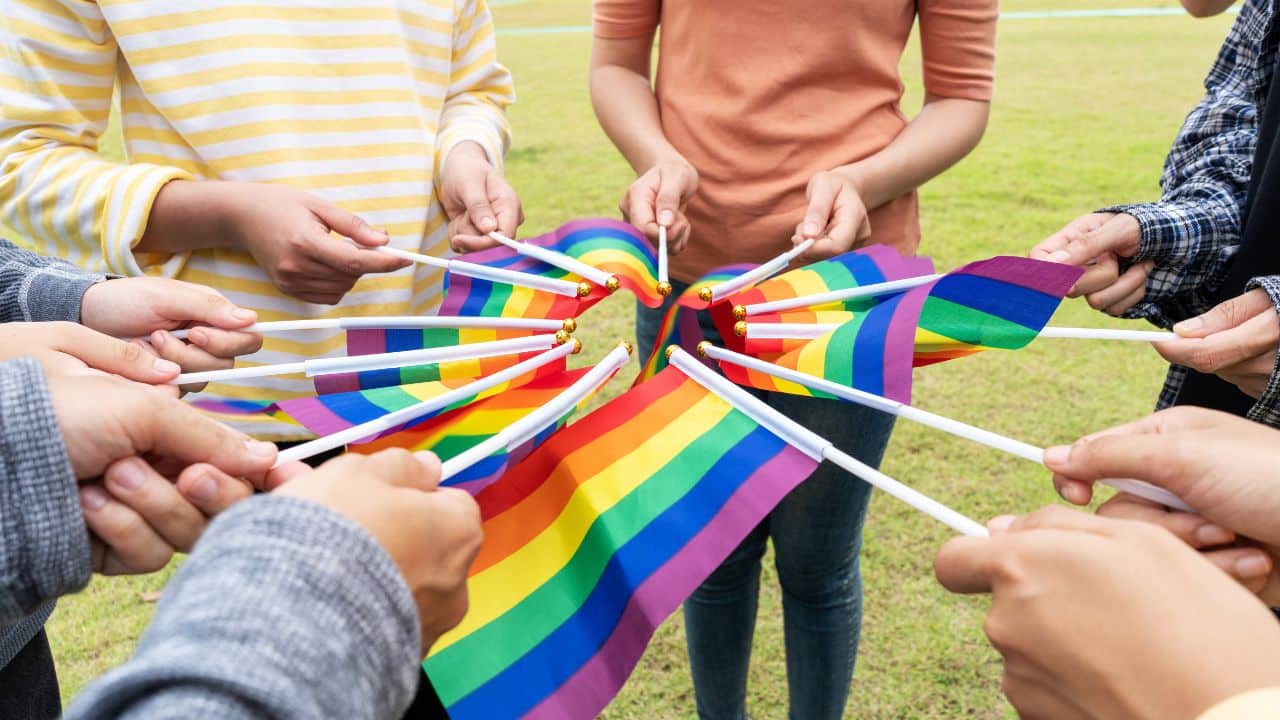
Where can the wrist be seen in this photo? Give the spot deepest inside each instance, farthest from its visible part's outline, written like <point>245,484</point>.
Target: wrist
<point>190,215</point>
<point>465,155</point>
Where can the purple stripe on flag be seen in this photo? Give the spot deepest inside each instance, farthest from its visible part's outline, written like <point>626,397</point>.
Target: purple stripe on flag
<point>312,414</point>
<point>337,382</point>
<point>366,342</point>
<point>1050,278</point>
<point>900,343</point>
<point>596,683</point>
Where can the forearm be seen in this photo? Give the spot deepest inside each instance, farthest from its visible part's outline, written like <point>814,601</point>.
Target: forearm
<point>35,288</point>
<point>189,215</point>
<point>1267,409</point>
<point>284,609</point>
<point>627,108</point>
<point>945,130</point>
<point>44,546</point>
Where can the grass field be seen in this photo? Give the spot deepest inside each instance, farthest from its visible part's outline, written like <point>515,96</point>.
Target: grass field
<point>1085,111</point>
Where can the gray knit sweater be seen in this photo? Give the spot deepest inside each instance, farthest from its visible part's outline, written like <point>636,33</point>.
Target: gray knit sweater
<point>33,288</point>
<point>285,608</point>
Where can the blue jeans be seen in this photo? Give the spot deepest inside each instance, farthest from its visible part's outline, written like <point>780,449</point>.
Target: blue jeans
<point>817,533</point>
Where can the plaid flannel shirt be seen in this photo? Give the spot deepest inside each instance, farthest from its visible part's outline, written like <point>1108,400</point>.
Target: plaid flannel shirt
<point>1193,231</point>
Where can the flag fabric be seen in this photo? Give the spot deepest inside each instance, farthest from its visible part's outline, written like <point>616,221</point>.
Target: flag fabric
<point>866,266</point>
<point>376,341</point>
<point>614,247</point>
<point>679,324</point>
<point>1003,302</point>
<point>456,431</point>
<point>595,538</point>
<point>327,414</point>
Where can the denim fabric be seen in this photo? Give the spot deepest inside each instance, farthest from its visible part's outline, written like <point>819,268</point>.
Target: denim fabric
<point>817,534</point>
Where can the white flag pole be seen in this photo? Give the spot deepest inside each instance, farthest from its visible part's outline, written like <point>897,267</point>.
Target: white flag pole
<point>426,407</point>
<point>817,447</point>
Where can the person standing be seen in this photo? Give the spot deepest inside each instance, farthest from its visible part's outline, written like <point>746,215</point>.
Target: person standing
<point>767,127</point>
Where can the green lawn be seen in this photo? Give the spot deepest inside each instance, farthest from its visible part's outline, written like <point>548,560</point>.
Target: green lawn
<point>1085,111</point>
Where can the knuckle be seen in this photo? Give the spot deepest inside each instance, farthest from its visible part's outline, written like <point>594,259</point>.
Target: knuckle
<point>1206,360</point>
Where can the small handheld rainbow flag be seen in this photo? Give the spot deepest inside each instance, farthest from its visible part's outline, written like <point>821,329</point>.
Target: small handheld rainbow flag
<point>595,538</point>
<point>869,266</point>
<point>331,413</point>
<point>1003,302</point>
<point>376,341</point>
<point>459,430</point>
<point>611,246</point>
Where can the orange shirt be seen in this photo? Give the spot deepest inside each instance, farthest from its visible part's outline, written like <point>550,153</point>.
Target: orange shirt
<point>760,94</point>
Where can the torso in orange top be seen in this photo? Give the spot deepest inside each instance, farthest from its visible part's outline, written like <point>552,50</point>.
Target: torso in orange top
<point>761,95</point>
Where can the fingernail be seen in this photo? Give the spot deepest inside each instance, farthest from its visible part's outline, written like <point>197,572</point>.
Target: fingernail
<point>1057,455</point>
<point>260,449</point>
<point>203,489</point>
<point>92,498</point>
<point>1058,256</point>
<point>811,228</point>
<point>666,217</point>
<point>429,460</point>
<point>1251,566</point>
<point>1188,325</point>
<point>488,224</point>
<point>164,366</point>
<point>1214,535</point>
<point>128,476</point>
<point>158,338</point>
<point>198,336</point>
<point>1001,523</point>
<point>244,315</point>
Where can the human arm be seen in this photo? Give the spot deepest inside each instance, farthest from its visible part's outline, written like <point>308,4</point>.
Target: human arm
<point>958,48</point>
<point>330,589</point>
<point>474,135</point>
<point>1176,250</point>
<point>627,108</point>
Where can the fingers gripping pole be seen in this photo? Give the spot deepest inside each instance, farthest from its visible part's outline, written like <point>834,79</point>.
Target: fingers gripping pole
<point>817,447</point>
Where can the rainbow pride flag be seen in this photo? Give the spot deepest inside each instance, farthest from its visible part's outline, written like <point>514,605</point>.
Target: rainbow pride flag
<point>327,414</point>
<point>614,247</point>
<point>680,320</point>
<point>1002,303</point>
<point>376,341</point>
<point>866,266</point>
<point>595,538</point>
<point>456,431</point>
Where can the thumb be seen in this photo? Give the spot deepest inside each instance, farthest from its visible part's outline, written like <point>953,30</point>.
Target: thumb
<point>118,357</point>
<point>822,199</point>
<point>966,565</point>
<point>1086,247</point>
<point>1171,461</point>
<point>478,208</point>
<point>1226,315</point>
<point>177,431</point>
<point>186,302</point>
<point>348,224</point>
<point>668,203</point>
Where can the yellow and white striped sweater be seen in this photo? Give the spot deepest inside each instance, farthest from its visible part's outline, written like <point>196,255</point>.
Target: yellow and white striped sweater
<point>356,101</point>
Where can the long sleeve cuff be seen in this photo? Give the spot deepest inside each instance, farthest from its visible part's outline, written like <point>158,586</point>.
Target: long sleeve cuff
<point>45,543</point>
<point>125,218</point>
<point>1267,409</point>
<point>1169,228</point>
<point>35,288</point>
<point>472,121</point>
<point>284,609</point>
